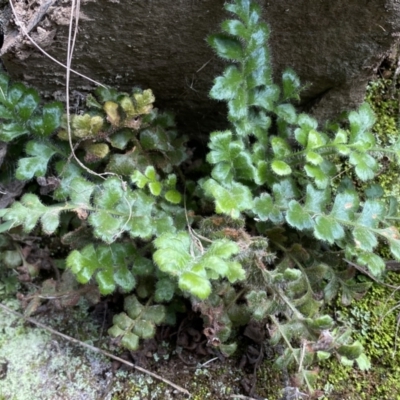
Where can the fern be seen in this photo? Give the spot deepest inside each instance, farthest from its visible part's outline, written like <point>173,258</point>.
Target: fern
<point>272,163</point>
<point>275,166</point>
<point>287,217</point>
<point>137,323</point>
<point>185,257</point>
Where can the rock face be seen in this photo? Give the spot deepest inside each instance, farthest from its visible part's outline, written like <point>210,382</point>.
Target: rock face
<point>334,46</point>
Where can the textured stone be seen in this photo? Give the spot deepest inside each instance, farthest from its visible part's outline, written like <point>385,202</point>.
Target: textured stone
<point>335,47</point>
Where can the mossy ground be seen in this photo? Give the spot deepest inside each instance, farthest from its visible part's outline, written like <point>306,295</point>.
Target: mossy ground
<point>374,320</point>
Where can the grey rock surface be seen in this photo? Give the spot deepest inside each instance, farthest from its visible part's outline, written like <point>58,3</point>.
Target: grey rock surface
<point>335,47</point>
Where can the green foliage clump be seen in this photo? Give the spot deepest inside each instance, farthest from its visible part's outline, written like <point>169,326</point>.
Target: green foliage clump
<point>274,252</point>
<point>139,322</point>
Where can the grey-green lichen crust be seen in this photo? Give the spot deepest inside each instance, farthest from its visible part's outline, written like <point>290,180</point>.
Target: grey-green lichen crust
<point>40,366</point>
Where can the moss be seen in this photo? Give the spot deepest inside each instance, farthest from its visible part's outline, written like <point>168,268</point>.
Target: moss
<point>375,327</point>
<point>269,381</point>
<point>383,97</point>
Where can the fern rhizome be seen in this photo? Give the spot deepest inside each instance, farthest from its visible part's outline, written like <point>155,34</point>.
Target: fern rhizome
<point>286,217</point>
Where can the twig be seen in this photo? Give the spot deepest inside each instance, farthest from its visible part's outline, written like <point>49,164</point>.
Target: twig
<point>208,362</point>
<point>39,14</point>
<point>25,32</point>
<point>93,348</point>
<point>366,272</point>
<point>204,65</point>
<point>303,351</point>
<point>14,36</point>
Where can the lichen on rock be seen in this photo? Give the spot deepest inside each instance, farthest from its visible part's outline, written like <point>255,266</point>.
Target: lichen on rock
<point>40,366</point>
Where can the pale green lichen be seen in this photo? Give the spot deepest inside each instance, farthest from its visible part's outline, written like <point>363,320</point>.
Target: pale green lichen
<point>41,367</point>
